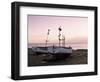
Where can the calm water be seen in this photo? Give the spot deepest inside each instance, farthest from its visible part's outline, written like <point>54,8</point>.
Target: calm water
<point>74,46</point>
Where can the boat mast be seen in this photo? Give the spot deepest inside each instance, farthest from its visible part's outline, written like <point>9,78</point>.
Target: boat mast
<point>47,37</point>
<point>63,41</point>
<point>59,36</point>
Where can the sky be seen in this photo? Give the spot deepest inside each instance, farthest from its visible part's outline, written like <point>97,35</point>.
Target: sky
<point>75,29</point>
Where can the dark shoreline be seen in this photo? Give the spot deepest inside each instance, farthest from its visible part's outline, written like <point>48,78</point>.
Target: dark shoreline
<point>78,57</point>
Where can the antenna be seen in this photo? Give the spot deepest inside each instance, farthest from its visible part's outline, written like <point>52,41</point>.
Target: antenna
<point>47,37</point>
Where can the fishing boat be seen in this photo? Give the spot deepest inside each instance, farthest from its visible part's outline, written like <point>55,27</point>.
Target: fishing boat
<point>56,51</point>
<point>59,52</point>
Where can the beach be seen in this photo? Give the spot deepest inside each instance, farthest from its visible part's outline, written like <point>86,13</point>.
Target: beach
<point>79,56</point>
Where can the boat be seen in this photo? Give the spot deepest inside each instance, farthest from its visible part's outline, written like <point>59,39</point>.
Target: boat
<point>56,51</point>
<point>59,52</point>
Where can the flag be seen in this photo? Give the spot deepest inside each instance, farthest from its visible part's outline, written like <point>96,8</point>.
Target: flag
<point>48,31</point>
<point>59,29</point>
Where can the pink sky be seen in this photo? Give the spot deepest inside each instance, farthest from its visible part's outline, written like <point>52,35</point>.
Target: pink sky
<point>75,29</point>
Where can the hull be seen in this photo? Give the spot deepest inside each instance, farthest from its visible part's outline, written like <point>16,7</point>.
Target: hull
<point>58,53</point>
<point>62,56</point>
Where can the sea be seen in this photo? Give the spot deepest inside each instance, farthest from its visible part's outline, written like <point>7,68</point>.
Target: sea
<point>74,46</point>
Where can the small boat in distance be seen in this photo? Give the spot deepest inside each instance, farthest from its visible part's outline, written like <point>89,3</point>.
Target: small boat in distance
<point>58,52</point>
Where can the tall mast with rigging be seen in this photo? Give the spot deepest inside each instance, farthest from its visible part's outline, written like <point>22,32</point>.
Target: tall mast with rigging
<point>47,37</point>
<point>63,40</point>
<point>59,36</point>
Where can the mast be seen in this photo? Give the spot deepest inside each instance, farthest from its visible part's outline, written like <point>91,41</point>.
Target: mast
<point>59,36</point>
<point>47,37</point>
<point>63,41</point>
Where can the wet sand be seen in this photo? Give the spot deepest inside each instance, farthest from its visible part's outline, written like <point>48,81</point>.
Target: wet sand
<point>77,57</point>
